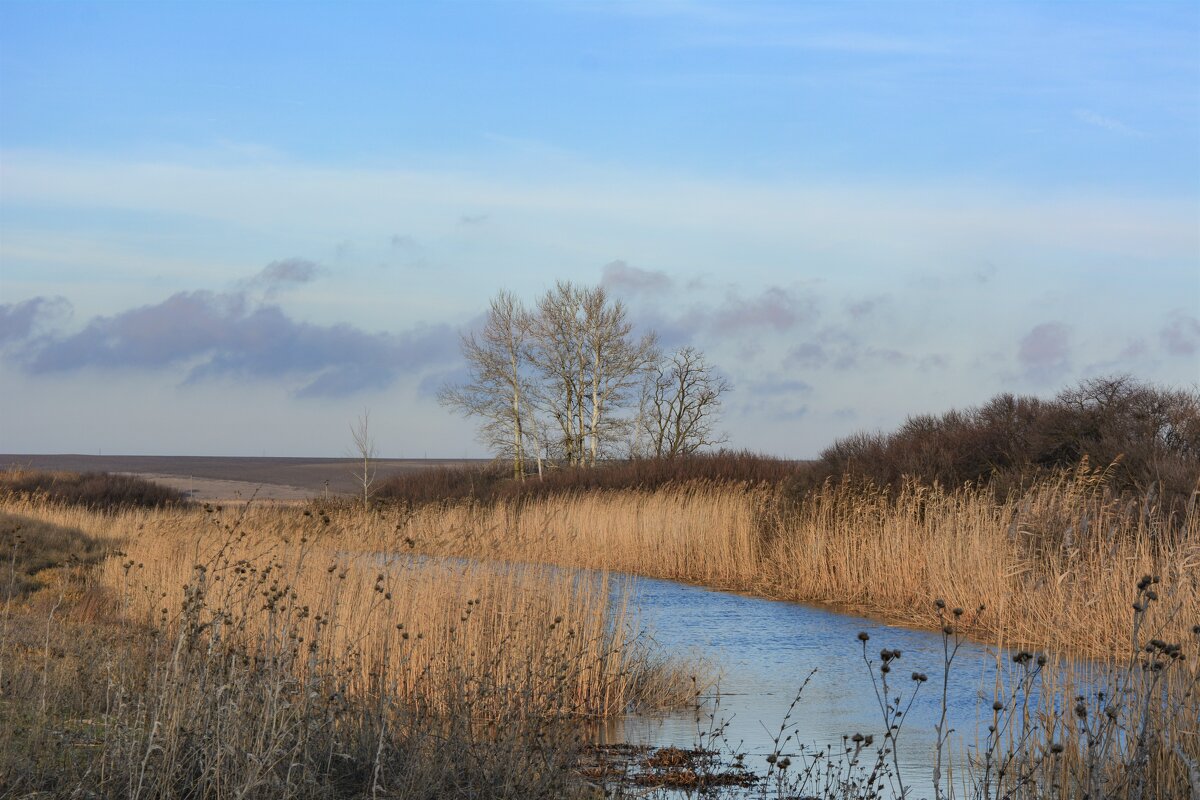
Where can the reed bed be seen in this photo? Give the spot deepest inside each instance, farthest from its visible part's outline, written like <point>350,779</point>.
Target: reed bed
<point>1052,564</point>
<point>271,651</point>
<point>1052,567</point>
<point>257,653</point>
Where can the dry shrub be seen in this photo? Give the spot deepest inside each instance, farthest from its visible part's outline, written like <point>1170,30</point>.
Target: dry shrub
<point>442,484</point>
<point>94,490</point>
<point>493,483</point>
<point>1151,434</point>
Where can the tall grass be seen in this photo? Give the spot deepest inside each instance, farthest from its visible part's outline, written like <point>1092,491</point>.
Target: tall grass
<point>259,653</point>
<point>1052,564</point>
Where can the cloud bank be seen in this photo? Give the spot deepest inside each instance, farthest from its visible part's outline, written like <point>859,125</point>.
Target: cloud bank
<point>20,321</point>
<point>227,335</point>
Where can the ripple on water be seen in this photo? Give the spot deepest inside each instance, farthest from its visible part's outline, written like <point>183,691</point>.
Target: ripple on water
<point>763,650</point>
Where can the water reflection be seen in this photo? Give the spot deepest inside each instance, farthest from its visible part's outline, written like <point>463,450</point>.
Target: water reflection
<point>762,651</point>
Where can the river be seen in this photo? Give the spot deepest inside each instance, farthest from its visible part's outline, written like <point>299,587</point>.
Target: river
<point>761,652</point>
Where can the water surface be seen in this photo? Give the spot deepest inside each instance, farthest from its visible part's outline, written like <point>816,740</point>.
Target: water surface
<point>762,651</point>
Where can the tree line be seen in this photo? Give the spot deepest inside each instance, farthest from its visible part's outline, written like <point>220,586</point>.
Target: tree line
<point>568,380</point>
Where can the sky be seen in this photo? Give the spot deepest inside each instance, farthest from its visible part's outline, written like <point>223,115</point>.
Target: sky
<point>232,228</point>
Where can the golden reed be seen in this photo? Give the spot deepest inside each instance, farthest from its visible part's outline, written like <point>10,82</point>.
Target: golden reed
<point>262,652</point>
<point>1054,565</point>
<point>430,625</point>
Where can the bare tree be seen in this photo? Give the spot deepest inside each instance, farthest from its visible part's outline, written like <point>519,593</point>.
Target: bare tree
<point>537,434</point>
<point>560,381</point>
<point>499,385</point>
<point>364,448</point>
<point>617,363</point>
<point>588,361</point>
<point>555,352</point>
<point>680,403</point>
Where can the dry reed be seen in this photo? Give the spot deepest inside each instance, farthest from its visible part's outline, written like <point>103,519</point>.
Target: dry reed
<point>1052,564</point>
<point>277,652</point>
<point>1051,567</point>
<point>256,652</point>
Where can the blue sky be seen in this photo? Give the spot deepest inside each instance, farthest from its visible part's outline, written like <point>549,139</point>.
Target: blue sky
<point>229,228</point>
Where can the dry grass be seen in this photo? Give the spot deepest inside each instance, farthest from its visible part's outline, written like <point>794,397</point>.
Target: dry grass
<point>1053,565</point>
<point>27,547</point>
<point>260,653</point>
<point>272,652</point>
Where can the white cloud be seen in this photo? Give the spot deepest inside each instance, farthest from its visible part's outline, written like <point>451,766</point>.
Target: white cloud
<point>1108,124</point>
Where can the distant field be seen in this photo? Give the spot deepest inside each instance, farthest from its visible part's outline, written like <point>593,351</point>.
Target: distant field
<point>230,478</point>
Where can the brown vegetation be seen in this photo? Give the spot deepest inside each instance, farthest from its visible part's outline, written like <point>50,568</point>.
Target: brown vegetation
<point>1150,435</point>
<point>491,483</point>
<point>101,491</point>
<point>1051,563</point>
<point>253,654</point>
<point>28,547</point>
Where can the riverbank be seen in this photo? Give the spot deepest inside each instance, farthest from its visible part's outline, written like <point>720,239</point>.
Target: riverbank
<point>1064,567</point>
<point>1054,566</point>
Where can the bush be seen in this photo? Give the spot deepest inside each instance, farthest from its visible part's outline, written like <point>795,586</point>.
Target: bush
<point>494,482</point>
<point>1150,434</point>
<point>101,491</point>
<point>437,484</point>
